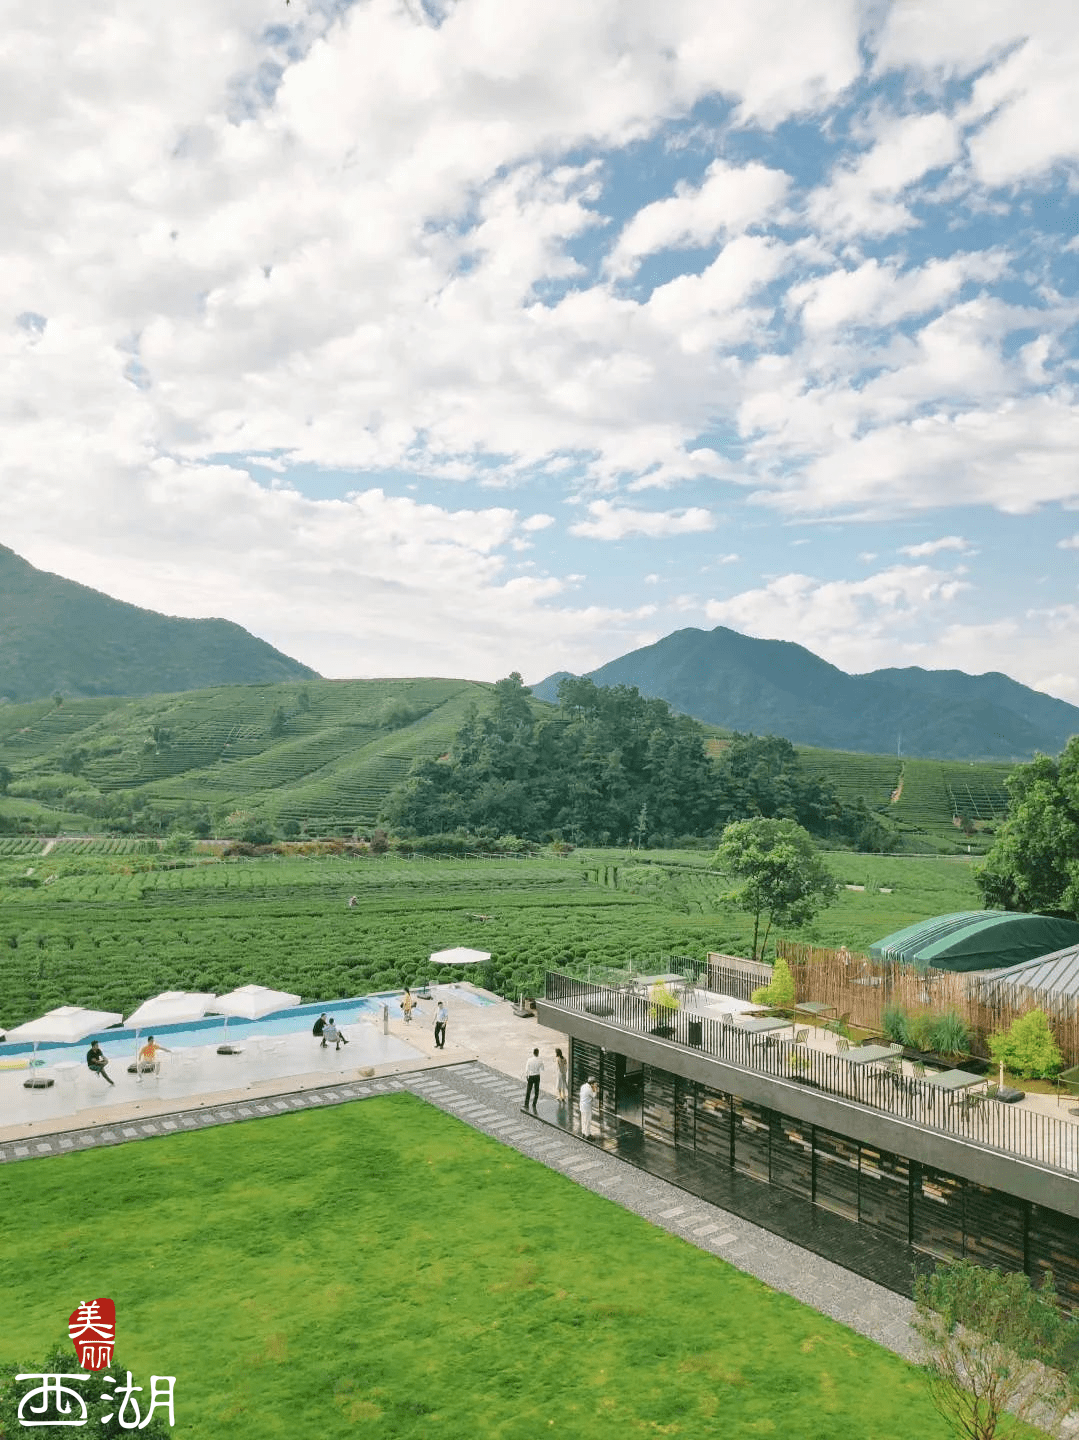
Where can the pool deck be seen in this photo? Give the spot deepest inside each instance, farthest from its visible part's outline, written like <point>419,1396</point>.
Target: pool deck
<point>198,1077</point>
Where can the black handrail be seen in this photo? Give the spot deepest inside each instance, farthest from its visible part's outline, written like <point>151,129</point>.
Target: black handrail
<point>1051,1142</point>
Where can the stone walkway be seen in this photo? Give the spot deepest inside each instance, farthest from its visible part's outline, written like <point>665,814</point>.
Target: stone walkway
<point>489,1101</point>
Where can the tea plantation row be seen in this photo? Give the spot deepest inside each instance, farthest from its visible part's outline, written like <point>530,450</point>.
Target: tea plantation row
<point>110,932</point>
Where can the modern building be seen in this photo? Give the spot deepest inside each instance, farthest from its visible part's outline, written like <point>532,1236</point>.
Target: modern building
<point>882,1172</point>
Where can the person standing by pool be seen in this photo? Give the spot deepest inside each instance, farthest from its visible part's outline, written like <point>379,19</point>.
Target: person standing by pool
<point>441,1016</point>
<point>532,1074</point>
<point>560,1061</point>
<point>95,1059</point>
<point>588,1096</point>
<point>148,1055</point>
<point>407,1004</point>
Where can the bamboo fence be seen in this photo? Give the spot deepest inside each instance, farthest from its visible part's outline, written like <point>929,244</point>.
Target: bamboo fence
<point>861,987</point>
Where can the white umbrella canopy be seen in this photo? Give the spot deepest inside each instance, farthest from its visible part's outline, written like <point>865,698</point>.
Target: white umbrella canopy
<point>66,1025</point>
<point>250,1002</point>
<point>460,956</point>
<point>171,1007</point>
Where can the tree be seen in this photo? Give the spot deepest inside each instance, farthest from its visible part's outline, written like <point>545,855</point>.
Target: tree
<point>784,879</point>
<point>1034,862</point>
<point>6,778</point>
<point>1028,1048</point>
<point>995,1349</point>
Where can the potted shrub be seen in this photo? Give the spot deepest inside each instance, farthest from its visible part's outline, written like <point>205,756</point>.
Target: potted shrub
<point>800,1066</point>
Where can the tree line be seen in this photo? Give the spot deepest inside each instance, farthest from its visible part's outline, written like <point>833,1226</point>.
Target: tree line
<point>613,767</point>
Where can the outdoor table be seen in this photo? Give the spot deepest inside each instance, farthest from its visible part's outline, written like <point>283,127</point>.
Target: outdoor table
<point>764,1025</point>
<point>814,1007</point>
<point>867,1054</point>
<point>955,1080</point>
<point>861,1056</point>
<point>660,979</point>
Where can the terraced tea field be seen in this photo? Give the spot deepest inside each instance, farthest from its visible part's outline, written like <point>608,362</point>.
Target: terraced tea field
<point>110,930</point>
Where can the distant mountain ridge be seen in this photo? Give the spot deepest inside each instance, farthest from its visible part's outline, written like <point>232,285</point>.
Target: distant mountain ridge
<point>58,636</point>
<point>780,688</point>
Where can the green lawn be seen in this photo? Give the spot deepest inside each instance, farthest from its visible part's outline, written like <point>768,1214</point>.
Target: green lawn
<point>381,1270</point>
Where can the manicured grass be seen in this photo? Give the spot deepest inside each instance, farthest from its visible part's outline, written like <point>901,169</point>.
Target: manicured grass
<point>382,1270</point>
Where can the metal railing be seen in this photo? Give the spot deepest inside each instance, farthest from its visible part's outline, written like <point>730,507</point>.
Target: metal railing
<point>1045,1139</point>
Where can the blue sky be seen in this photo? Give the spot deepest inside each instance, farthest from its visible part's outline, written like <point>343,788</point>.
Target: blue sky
<point>465,337</point>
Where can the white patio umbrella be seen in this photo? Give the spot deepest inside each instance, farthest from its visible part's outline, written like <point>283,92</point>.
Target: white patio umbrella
<point>171,1007</point>
<point>66,1025</point>
<point>250,1002</point>
<point>459,956</point>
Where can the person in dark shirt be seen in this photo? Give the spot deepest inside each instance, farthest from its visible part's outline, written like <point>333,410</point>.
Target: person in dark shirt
<point>96,1060</point>
<point>319,1025</point>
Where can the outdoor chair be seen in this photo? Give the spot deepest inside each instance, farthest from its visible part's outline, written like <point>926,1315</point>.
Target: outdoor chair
<point>842,1045</point>
<point>801,1036</point>
<point>726,1018</point>
<point>895,1047</point>
<point>839,1025</point>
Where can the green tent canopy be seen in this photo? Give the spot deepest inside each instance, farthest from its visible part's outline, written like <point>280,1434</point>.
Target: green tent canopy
<point>976,940</point>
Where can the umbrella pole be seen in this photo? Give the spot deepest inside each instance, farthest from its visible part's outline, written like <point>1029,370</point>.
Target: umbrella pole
<point>138,1072</point>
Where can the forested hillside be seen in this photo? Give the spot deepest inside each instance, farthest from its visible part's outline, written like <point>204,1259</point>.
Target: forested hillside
<point>611,767</point>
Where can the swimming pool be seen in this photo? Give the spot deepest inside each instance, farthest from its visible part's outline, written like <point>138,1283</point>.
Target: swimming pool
<point>119,1043</point>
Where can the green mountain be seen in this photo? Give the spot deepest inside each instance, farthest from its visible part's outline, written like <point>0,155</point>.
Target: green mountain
<point>319,756</point>
<point>59,637</point>
<point>774,687</point>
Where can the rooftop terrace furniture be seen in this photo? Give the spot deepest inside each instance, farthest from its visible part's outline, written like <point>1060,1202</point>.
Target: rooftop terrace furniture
<point>801,1036</point>
<point>839,1026</point>
<point>819,1008</point>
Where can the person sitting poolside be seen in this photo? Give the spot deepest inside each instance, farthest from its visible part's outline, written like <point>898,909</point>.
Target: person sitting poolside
<point>148,1055</point>
<point>332,1035</point>
<point>96,1060</point>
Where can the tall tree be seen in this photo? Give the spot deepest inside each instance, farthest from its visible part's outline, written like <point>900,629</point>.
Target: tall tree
<point>784,880</point>
<point>1034,863</point>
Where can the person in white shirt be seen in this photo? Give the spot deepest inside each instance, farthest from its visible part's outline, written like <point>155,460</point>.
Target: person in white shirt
<point>532,1074</point>
<point>441,1016</point>
<point>588,1097</point>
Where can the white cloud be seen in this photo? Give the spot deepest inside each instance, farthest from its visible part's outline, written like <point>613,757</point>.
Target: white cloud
<point>934,547</point>
<point>1024,98</point>
<point>863,198</point>
<point>607,521</point>
<point>366,240</point>
<point>879,294</point>
<point>1071,543</point>
<point>846,621</point>
<point>728,201</point>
